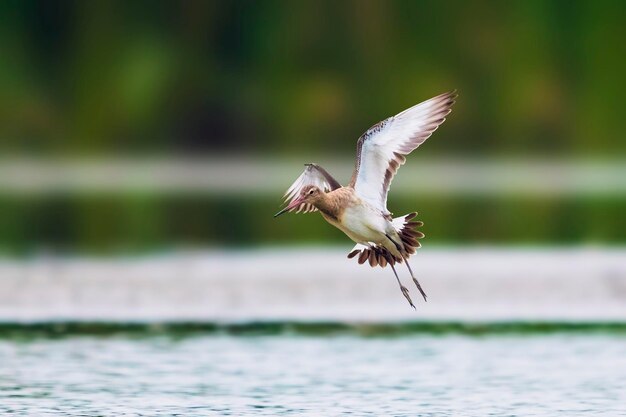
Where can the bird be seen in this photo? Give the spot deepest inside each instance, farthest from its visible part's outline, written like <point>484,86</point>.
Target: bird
<point>359,209</point>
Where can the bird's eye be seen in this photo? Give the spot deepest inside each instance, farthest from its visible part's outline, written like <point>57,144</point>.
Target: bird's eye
<point>312,191</point>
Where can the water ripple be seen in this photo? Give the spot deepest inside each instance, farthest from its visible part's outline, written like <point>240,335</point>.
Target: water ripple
<point>452,375</point>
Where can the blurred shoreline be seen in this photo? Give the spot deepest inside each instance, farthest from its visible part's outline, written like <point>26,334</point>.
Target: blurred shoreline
<point>142,205</point>
<point>250,176</point>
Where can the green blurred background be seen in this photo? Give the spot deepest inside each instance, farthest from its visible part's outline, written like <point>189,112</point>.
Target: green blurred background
<point>282,80</point>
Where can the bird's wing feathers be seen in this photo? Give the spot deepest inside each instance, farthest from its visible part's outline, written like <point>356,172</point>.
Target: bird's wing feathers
<point>382,149</point>
<point>313,175</point>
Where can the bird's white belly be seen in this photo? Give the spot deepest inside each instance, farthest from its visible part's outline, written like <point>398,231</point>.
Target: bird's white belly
<point>361,223</point>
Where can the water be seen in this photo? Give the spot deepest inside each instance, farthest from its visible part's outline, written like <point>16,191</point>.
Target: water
<point>208,374</point>
<point>506,332</point>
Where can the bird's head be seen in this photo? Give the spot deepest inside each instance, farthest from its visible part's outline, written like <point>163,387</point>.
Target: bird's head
<point>309,194</point>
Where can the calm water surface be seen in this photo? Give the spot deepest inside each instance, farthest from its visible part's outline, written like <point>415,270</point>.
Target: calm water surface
<point>532,375</point>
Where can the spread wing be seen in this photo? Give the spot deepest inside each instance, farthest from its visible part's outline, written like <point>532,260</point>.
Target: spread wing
<point>382,149</point>
<point>313,175</point>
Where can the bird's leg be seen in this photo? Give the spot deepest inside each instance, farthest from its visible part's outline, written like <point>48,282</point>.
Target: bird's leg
<point>399,248</point>
<point>397,245</point>
<point>417,284</point>
<point>404,290</point>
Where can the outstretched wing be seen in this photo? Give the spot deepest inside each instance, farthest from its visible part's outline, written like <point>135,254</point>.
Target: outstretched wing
<point>313,175</point>
<point>382,149</point>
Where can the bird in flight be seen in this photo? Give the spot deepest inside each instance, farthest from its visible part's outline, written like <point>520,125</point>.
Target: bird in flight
<point>360,208</point>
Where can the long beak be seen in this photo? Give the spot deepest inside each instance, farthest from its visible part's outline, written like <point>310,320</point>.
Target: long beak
<point>295,203</point>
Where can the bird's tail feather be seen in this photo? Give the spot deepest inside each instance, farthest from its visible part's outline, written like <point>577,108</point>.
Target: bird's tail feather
<point>407,229</point>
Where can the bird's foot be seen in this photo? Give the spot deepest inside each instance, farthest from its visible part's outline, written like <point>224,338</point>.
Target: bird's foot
<point>419,287</point>
<point>405,292</point>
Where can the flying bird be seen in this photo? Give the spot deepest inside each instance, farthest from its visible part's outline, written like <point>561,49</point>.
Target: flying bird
<point>360,208</point>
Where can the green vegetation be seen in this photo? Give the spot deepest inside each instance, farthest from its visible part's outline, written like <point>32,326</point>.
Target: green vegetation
<point>136,223</point>
<point>536,77</point>
<point>135,78</point>
<point>28,331</point>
